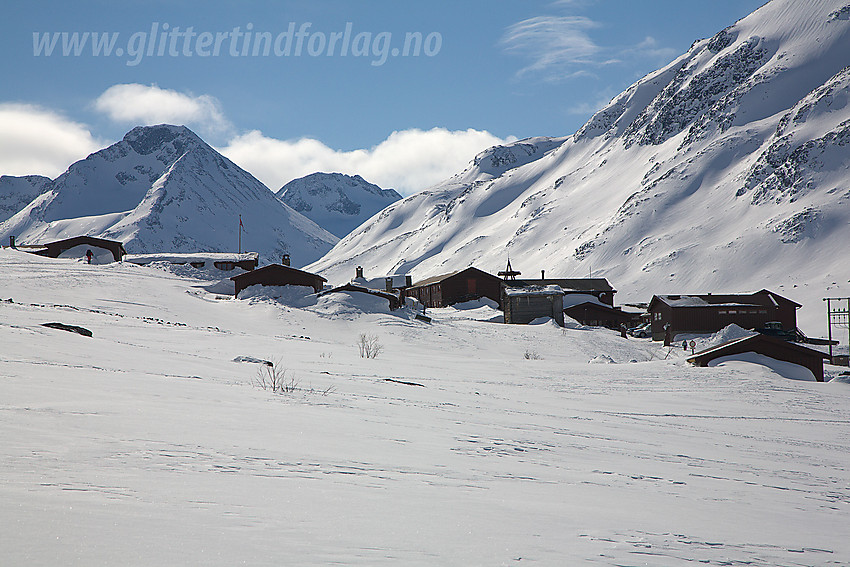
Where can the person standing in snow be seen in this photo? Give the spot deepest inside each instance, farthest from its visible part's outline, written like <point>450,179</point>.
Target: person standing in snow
<point>89,255</point>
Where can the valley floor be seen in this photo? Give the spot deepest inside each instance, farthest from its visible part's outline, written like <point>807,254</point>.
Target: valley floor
<point>463,443</point>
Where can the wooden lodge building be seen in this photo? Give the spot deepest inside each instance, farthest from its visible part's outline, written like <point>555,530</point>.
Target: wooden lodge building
<point>702,314</point>
<point>772,347</point>
<point>456,287</point>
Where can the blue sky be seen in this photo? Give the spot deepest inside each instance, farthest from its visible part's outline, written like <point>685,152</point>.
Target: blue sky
<point>490,72</point>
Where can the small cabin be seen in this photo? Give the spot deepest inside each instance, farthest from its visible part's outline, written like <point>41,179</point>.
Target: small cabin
<point>772,347</point>
<point>523,305</point>
<point>278,275</point>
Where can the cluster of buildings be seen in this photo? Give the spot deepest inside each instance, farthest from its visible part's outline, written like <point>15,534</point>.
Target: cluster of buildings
<point>590,301</point>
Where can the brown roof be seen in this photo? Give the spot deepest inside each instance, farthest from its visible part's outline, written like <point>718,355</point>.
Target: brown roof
<point>276,268</point>
<point>763,298</point>
<point>440,278</point>
<point>717,351</point>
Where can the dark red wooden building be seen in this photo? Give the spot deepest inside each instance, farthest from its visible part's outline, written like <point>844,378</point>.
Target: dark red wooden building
<point>772,347</point>
<point>456,287</point>
<point>277,274</point>
<point>703,314</point>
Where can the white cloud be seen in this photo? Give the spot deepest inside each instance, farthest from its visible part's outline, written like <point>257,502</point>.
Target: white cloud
<point>137,104</point>
<point>561,48</point>
<point>37,141</point>
<point>553,42</point>
<point>408,161</point>
<point>34,140</point>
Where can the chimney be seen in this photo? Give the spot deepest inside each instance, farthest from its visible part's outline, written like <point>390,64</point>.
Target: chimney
<point>542,274</point>
<point>408,281</point>
<point>285,259</point>
<point>388,282</point>
<point>11,242</point>
<point>359,272</point>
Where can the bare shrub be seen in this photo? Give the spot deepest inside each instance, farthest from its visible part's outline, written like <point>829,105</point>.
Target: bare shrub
<point>272,377</point>
<point>532,355</point>
<point>369,345</point>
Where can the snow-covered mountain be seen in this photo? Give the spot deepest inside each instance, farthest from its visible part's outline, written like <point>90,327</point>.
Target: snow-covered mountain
<point>17,192</point>
<point>727,170</point>
<point>337,202</point>
<point>163,189</point>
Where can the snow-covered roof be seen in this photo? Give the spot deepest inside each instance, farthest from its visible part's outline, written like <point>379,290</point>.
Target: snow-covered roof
<point>194,257</point>
<point>398,280</point>
<point>534,290</point>
<point>573,299</point>
<point>697,301</point>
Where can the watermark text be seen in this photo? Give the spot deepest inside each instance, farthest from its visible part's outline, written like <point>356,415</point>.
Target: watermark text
<point>164,40</point>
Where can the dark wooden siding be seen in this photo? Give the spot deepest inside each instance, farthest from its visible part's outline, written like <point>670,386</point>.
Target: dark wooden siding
<point>522,309</point>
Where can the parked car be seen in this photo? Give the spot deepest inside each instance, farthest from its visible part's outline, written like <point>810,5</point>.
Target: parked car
<point>641,331</point>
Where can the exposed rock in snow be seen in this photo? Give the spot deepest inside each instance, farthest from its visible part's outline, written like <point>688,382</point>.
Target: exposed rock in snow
<point>17,192</point>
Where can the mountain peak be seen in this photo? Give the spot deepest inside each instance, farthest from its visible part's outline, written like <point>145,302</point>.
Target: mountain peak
<point>149,139</point>
<point>163,189</point>
<point>337,202</point>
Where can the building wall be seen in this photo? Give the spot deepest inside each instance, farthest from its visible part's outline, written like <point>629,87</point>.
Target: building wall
<point>523,309</point>
<point>466,286</point>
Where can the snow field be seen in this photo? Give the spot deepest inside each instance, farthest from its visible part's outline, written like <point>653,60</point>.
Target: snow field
<point>147,444</point>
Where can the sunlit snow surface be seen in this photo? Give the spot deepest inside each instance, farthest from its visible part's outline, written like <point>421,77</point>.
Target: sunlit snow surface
<point>148,445</point>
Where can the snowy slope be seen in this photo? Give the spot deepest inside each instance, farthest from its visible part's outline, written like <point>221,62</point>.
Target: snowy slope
<point>725,171</point>
<point>150,444</point>
<point>163,189</point>
<point>337,202</point>
<point>17,192</point>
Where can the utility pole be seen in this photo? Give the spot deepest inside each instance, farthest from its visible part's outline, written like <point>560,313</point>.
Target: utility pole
<point>239,246</point>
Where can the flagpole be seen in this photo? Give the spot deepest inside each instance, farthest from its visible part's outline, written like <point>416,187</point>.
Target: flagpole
<point>240,234</point>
